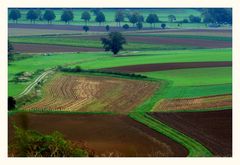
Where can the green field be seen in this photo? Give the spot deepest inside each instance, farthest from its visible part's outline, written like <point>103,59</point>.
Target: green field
<point>194,77</point>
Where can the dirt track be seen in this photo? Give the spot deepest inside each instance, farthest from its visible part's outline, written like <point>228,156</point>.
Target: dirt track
<point>212,129</point>
<point>168,66</point>
<point>46,48</point>
<point>104,134</point>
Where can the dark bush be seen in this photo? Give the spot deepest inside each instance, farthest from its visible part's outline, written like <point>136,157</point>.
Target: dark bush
<point>11,103</point>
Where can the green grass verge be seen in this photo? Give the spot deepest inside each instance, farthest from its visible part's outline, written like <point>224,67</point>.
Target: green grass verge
<point>195,148</point>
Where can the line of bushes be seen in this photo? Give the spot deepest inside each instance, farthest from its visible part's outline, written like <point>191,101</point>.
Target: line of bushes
<point>78,69</point>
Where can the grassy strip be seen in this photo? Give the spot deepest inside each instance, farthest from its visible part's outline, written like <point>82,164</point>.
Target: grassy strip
<point>195,148</point>
<point>140,114</point>
<point>14,112</point>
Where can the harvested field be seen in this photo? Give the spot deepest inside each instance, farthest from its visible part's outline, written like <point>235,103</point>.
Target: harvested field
<point>91,94</point>
<point>213,129</point>
<point>105,135</point>
<point>168,66</point>
<point>199,103</point>
<point>46,48</point>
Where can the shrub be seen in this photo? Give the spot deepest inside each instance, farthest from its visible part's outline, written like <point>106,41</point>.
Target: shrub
<point>11,103</point>
<point>125,26</point>
<point>29,143</point>
<point>86,28</point>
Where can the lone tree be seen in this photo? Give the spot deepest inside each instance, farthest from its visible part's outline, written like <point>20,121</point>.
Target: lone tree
<point>14,15</point>
<point>100,18</point>
<point>125,26</point>
<point>11,103</point>
<point>10,51</point>
<point>32,15</point>
<point>49,15</point>
<point>163,25</point>
<point>119,17</point>
<point>86,28</point>
<point>152,19</point>
<point>67,16</point>
<point>171,18</point>
<point>107,28</point>
<point>114,42</point>
<point>86,17</point>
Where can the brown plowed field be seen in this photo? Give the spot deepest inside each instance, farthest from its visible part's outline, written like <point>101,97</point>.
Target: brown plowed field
<point>105,135</point>
<point>212,129</point>
<point>168,66</point>
<point>199,103</point>
<point>104,94</point>
<point>46,48</point>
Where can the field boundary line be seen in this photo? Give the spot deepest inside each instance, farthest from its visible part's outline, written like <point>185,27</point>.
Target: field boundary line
<point>195,148</point>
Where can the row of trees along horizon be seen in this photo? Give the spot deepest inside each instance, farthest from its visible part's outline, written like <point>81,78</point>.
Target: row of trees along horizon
<point>216,15</point>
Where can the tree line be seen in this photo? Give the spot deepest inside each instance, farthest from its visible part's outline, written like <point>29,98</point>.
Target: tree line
<point>216,15</point>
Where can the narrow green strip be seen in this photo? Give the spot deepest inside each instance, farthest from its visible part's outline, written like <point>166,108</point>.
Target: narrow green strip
<point>195,148</point>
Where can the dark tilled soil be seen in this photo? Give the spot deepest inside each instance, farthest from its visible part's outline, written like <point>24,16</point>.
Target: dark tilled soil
<point>212,129</point>
<point>204,43</point>
<point>104,134</point>
<point>167,66</point>
<point>46,48</point>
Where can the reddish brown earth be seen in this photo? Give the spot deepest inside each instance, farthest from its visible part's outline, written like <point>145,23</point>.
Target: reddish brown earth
<point>168,66</point>
<point>46,48</point>
<point>106,135</point>
<point>204,43</point>
<point>212,129</point>
<point>198,103</point>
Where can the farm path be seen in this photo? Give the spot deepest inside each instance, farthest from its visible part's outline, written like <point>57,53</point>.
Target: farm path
<point>33,84</point>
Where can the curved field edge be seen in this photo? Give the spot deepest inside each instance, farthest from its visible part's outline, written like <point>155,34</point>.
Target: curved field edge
<point>195,148</point>
<point>140,114</point>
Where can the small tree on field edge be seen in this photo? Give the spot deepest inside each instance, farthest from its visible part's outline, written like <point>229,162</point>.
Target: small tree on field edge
<point>125,26</point>
<point>86,28</point>
<point>107,28</point>
<point>163,25</point>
